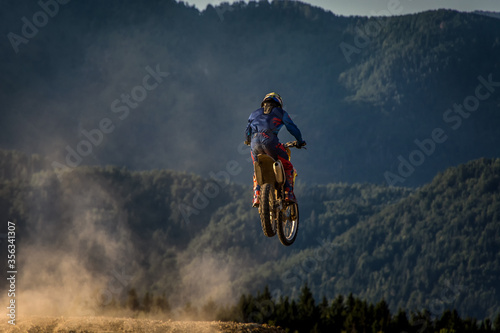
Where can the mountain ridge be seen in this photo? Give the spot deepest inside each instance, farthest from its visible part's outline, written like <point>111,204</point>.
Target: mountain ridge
<point>404,75</point>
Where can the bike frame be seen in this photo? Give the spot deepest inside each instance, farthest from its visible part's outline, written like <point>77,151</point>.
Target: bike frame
<point>269,171</point>
<point>276,214</point>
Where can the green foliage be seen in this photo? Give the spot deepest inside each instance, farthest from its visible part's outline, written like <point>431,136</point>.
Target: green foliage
<point>430,249</point>
<point>435,247</point>
<point>349,314</point>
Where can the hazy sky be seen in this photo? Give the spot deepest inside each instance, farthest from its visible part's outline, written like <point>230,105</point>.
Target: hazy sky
<point>370,7</point>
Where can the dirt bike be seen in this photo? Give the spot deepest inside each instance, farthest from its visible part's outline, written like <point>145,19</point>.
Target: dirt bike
<point>276,214</point>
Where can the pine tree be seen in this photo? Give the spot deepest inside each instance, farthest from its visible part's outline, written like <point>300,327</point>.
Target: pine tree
<point>133,300</point>
<point>284,315</point>
<point>382,317</point>
<point>246,309</point>
<point>400,322</point>
<point>161,304</point>
<point>147,302</point>
<point>496,324</point>
<point>209,310</point>
<point>421,322</point>
<point>486,326</point>
<point>265,307</point>
<point>325,316</point>
<point>190,312</point>
<point>339,314</point>
<point>307,311</point>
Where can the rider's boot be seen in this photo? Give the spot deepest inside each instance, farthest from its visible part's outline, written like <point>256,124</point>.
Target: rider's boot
<point>289,196</point>
<point>256,193</point>
<point>256,199</point>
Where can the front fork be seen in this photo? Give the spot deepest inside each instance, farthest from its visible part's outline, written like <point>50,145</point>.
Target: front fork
<point>280,203</point>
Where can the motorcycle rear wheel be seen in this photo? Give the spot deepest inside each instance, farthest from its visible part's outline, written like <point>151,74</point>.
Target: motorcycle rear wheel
<point>288,224</point>
<point>267,211</point>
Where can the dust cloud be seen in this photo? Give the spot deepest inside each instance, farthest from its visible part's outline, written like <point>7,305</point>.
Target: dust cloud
<point>71,264</point>
<point>208,278</point>
<point>79,257</point>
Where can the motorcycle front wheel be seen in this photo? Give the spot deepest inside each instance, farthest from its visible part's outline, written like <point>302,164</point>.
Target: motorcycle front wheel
<point>267,210</point>
<point>288,224</point>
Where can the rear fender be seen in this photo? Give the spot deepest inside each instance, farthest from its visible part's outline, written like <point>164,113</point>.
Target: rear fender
<point>264,171</point>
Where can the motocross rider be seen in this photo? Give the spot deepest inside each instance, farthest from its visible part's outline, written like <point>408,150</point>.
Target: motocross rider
<point>262,135</point>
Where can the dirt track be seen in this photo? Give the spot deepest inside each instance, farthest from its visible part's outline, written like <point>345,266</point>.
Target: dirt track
<point>108,325</point>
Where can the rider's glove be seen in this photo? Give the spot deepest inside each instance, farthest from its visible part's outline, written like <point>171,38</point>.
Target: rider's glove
<point>247,142</point>
<point>302,144</point>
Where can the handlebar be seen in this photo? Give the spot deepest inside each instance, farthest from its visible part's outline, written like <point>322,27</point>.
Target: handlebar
<point>295,144</point>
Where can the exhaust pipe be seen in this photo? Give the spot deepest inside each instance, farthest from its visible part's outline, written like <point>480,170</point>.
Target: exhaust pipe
<point>279,172</point>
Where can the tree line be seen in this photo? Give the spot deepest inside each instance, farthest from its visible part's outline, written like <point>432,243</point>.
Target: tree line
<point>305,314</point>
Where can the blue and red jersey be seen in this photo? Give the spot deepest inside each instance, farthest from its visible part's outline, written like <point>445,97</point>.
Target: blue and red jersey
<point>262,131</point>
<point>270,124</point>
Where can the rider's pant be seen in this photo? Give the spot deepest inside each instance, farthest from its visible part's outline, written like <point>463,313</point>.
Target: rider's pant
<point>263,143</point>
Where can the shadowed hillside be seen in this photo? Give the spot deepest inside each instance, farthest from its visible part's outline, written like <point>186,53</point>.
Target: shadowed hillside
<point>167,86</point>
<point>106,231</point>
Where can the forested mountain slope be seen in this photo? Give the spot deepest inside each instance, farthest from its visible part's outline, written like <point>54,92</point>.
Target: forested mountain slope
<point>436,249</point>
<point>362,90</point>
<point>195,239</point>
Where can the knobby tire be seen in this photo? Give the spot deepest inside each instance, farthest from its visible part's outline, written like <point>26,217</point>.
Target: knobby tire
<point>266,210</point>
<point>288,224</point>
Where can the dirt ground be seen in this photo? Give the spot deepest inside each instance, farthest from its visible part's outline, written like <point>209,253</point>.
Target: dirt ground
<point>109,325</point>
